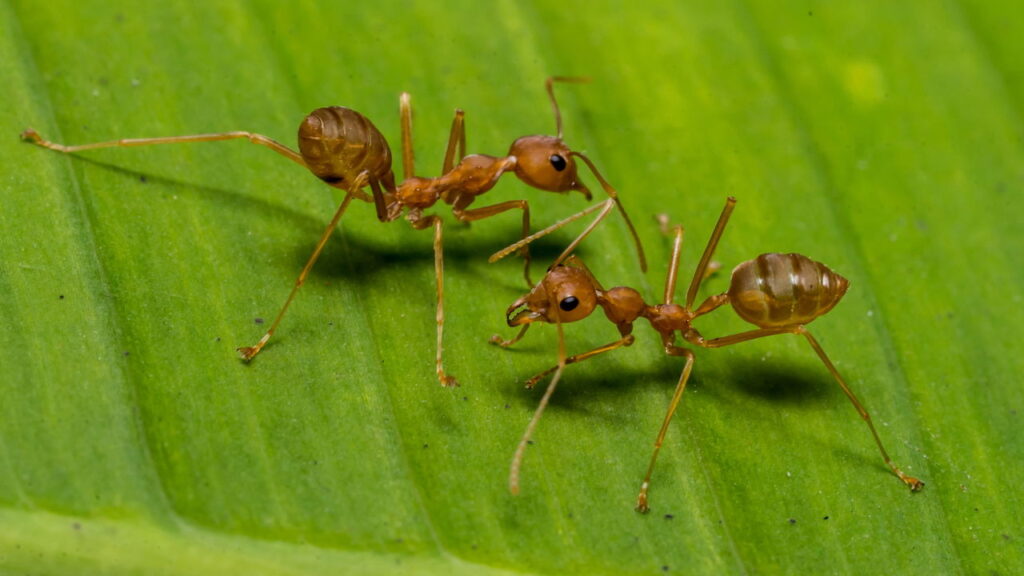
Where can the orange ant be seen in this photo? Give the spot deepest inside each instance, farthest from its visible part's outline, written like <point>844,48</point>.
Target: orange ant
<point>778,293</point>
<point>344,149</point>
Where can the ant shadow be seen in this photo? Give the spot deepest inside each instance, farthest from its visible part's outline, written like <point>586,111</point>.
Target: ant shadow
<point>350,256</point>
<point>781,384</point>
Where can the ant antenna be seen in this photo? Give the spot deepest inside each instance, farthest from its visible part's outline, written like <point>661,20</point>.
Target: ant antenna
<point>550,85</point>
<point>615,196</point>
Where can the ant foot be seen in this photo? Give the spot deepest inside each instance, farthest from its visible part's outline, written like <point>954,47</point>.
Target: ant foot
<point>247,352</point>
<point>499,341</point>
<point>641,500</point>
<point>447,381</point>
<point>914,484</point>
<point>30,135</point>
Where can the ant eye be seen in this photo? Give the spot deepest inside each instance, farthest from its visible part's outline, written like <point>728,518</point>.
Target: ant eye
<point>558,162</point>
<point>569,303</point>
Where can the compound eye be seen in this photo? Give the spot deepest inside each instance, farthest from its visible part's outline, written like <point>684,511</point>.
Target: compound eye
<point>569,303</point>
<point>558,162</point>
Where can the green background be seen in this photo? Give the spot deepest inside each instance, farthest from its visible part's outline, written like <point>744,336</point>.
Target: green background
<point>884,139</point>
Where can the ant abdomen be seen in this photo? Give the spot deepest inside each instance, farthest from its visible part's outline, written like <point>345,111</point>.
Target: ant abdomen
<point>776,290</point>
<point>338,143</point>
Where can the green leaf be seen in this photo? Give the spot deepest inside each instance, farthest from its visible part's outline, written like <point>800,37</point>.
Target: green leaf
<point>884,139</point>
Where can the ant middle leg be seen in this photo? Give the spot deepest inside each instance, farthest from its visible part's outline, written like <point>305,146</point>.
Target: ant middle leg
<point>470,215</point>
<point>641,499</point>
<point>419,224</point>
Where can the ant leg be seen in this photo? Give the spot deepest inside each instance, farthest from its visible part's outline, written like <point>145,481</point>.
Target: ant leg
<point>34,137</point>
<point>513,476</point>
<point>419,224</point>
<point>456,138</point>
<point>701,271</point>
<point>517,458</point>
<point>605,208</point>
<point>443,378</point>
<point>405,113</point>
<point>498,340</point>
<point>641,499</point>
<point>913,483</point>
<point>626,340</point>
<point>673,266</point>
<point>385,205</point>
<point>248,352</point>
<point>494,210</point>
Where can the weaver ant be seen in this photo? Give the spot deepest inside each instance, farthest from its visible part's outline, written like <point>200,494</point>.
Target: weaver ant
<point>344,149</point>
<point>778,293</point>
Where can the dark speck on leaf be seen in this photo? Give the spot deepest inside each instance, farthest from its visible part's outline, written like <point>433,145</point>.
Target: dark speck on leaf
<point>792,520</point>
<point>61,296</point>
<point>825,518</point>
<point>258,320</point>
<point>669,516</point>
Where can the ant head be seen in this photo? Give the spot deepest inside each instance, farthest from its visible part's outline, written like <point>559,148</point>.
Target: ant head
<point>546,163</point>
<point>566,294</point>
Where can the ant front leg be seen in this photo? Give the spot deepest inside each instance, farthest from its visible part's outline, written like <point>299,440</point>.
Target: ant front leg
<point>626,340</point>
<point>499,341</point>
<point>524,243</point>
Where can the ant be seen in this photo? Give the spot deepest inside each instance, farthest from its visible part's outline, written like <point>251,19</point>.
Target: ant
<point>344,149</point>
<point>777,293</point>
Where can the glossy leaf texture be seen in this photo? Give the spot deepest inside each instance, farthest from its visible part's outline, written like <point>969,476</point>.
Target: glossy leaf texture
<point>884,139</point>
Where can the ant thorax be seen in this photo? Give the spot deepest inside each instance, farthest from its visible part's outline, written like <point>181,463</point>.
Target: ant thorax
<point>622,305</point>
<point>668,318</point>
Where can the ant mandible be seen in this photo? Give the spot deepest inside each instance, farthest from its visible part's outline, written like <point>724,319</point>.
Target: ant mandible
<point>344,149</point>
<point>778,293</point>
